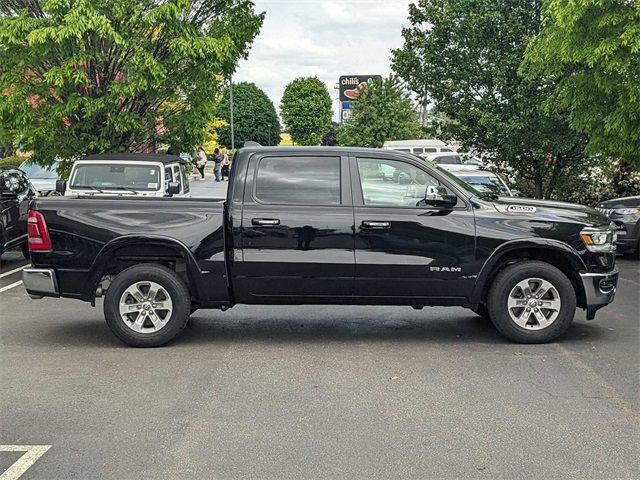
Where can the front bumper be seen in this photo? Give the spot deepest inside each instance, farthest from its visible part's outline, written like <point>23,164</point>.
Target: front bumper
<point>40,282</point>
<point>599,290</point>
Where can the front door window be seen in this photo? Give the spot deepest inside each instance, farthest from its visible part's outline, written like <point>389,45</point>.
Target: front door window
<point>390,183</point>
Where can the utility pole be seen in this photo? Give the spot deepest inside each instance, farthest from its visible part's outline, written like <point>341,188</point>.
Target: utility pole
<point>233,141</point>
<point>269,134</point>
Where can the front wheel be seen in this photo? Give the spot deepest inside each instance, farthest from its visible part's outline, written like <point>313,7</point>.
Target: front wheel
<point>532,302</point>
<point>147,305</point>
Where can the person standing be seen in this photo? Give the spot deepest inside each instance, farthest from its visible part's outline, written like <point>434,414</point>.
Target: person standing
<point>225,164</point>
<point>217,169</point>
<point>201,161</point>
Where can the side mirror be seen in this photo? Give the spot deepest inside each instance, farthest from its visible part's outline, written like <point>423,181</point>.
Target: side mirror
<point>173,188</point>
<point>61,186</point>
<point>439,197</point>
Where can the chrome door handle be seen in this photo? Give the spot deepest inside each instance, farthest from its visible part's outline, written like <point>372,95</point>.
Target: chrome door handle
<point>375,224</point>
<point>265,221</point>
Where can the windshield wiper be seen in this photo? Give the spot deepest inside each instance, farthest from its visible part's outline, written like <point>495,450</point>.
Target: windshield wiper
<point>123,189</point>
<point>90,187</point>
<point>488,196</point>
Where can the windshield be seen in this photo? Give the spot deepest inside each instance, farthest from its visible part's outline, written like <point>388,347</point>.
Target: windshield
<point>488,183</point>
<point>107,176</point>
<point>461,183</point>
<point>36,171</point>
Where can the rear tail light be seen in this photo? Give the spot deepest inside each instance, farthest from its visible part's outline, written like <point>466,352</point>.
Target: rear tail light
<point>39,239</point>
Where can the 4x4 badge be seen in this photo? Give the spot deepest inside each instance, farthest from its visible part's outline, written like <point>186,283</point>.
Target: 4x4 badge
<point>521,209</point>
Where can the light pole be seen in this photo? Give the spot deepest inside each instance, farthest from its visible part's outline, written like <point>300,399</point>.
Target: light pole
<point>269,134</point>
<point>233,140</point>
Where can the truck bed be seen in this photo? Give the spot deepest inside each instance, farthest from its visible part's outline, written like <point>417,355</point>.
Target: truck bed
<point>88,230</point>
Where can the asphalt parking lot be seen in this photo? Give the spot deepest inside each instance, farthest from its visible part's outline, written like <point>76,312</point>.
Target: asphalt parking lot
<point>318,392</point>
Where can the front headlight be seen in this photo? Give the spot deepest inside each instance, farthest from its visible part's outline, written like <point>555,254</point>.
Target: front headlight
<point>626,211</point>
<point>599,239</point>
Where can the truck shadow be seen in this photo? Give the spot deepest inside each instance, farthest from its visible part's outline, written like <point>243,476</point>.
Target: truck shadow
<point>463,327</point>
<point>215,328</point>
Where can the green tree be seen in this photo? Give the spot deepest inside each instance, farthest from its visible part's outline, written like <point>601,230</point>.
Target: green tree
<point>306,110</point>
<point>464,55</point>
<point>384,111</point>
<point>593,48</point>
<point>254,116</point>
<point>103,75</point>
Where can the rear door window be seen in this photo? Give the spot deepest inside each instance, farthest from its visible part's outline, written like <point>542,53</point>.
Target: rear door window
<point>312,180</point>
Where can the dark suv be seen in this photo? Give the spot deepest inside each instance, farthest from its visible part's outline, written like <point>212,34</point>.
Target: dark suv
<point>625,213</point>
<point>15,194</point>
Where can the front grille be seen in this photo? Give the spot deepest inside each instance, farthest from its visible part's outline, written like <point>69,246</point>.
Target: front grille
<point>606,211</point>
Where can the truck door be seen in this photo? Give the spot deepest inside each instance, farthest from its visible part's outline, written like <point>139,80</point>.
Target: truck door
<point>405,247</point>
<point>297,227</point>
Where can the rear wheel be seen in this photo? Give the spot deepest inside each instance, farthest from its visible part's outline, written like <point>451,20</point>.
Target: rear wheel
<point>147,305</point>
<point>532,302</point>
<point>25,251</point>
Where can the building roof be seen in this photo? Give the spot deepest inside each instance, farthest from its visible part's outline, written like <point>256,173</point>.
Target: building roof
<point>135,157</point>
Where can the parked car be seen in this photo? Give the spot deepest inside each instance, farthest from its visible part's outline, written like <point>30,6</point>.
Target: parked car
<point>127,174</point>
<point>15,195</point>
<point>484,181</point>
<point>446,160</point>
<point>43,179</point>
<point>625,213</point>
<point>321,226</point>
<point>418,147</point>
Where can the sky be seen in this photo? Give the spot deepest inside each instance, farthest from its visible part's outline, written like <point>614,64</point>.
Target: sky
<point>323,38</point>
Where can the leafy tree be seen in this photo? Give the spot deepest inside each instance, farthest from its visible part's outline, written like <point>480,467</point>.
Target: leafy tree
<point>593,46</point>
<point>99,75</point>
<point>254,116</point>
<point>382,112</point>
<point>465,55</point>
<point>306,110</point>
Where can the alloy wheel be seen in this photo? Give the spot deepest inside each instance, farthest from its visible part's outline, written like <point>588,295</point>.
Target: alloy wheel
<point>145,307</point>
<point>534,303</point>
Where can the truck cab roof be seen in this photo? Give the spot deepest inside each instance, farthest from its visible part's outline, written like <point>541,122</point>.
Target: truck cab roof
<point>134,157</point>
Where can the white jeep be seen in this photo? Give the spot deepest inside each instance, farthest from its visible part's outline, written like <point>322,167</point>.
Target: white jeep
<point>127,174</point>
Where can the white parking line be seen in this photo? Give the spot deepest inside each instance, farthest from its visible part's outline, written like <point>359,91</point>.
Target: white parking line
<point>32,454</point>
<point>6,274</point>
<point>9,287</point>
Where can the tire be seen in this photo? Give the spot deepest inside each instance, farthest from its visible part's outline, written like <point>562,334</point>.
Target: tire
<point>155,302</point>
<point>192,311</point>
<point>517,323</point>
<point>25,251</point>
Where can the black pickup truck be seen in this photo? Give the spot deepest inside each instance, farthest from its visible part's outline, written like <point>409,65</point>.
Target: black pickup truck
<point>324,226</point>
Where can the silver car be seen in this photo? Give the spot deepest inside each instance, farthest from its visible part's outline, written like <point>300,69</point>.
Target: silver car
<point>43,179</point>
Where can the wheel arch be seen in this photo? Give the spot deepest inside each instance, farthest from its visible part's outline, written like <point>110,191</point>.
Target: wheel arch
<point>553,252</point>
<point>129,250</point>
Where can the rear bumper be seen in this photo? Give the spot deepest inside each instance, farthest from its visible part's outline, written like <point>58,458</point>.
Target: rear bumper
<point>599,290</point>
<point>40,282</point>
